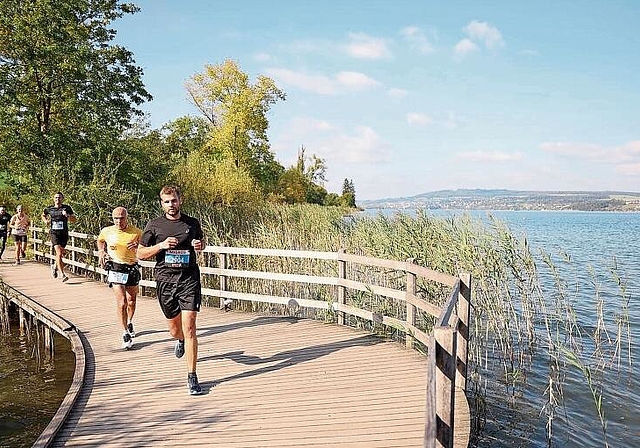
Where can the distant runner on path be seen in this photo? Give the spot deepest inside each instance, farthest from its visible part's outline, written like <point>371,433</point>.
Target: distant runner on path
<point>20,223</point>
<point>117,246</point>
<point>4,227</point>
<point>173,239</point>
<point>58,216</point>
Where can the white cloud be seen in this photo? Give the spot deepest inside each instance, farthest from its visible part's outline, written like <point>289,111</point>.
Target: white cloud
<point>628,152</point>
<point>464,47</point>
<point>397,93</point>
<point>314,83</point>
<point>416,37</point>
<point>342,82</point>
<point>363,146</point>
<point>355,80</point>
<point>490,156</point>
<point>629,169</point>
<point>304,125</point>
<point>418,119</point>
<point>484,33</point>
<point>363,46</point>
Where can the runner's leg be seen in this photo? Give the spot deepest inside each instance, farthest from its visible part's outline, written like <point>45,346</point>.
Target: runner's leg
<point>132,294</point>
<point>121,304</point>
<point>190,339</point>
<point>59,263</point>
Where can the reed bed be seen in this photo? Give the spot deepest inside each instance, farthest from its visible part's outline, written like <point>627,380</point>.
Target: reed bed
<point>524,307</point>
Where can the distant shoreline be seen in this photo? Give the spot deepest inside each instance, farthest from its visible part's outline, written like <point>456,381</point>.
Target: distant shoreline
<point>588,201</point>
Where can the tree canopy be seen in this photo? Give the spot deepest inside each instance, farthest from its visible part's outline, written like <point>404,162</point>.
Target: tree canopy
<point>66,92</point>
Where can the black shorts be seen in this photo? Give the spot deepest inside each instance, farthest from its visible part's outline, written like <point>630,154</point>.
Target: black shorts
<point>176,297</point>
<point>133,278</point>
<point>59,238</point>
<point>20,238</point>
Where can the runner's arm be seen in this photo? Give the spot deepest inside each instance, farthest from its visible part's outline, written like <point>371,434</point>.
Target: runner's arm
<point>145,252</point>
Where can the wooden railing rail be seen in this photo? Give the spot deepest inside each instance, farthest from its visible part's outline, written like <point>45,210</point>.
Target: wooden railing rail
<point>446,344</point>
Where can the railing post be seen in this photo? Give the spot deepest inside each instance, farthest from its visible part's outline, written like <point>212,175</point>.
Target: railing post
<point>430,421</point>
<point>342,275</point>
<point>73,254</point>
<point>445,353</point>
<point>222,264</point>
<point>411,309</point>
<point>464,306</point>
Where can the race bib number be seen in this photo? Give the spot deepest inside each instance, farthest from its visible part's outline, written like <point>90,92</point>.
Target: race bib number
<point>177,258</point>
<point>57,225</point>
<point>21,231</point>
<point>118,277</point>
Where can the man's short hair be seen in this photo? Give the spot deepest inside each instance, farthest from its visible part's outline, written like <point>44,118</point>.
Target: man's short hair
<point>170,189</point>
<point>59,193</point>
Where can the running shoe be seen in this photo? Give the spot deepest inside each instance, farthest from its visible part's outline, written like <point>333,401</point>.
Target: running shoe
<point>130,329</point>
<point>54,270</point>
<point>17,262</point>
<point>126,341</point>
<point>179,350</point>
<point>194,386</point>
<point>64,278</point>
<point>23,254</point>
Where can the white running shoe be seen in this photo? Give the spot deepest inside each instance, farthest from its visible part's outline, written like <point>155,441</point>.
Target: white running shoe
<point>127,342</point>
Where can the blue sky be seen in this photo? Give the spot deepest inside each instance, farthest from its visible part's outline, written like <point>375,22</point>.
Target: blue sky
<point>405,97</point>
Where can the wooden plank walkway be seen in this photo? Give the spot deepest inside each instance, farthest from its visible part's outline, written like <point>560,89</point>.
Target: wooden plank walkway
<point>268,381</point>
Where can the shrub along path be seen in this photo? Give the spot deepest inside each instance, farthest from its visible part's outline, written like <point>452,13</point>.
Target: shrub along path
<point>268,381</point>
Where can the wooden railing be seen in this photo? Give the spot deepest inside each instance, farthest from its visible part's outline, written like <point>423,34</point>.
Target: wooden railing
<point>335,284</point>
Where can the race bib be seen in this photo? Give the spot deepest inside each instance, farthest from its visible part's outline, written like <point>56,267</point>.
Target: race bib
<point>3,227</point>
<point>57,225</point>
<point>20,231</point>
<point>177,258</point>
<point>118,277</point>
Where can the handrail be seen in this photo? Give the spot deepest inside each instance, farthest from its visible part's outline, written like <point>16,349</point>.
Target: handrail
<point>446,344</point>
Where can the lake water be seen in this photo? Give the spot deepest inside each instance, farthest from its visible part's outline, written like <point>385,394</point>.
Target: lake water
<point>29,395</point>
<point>594,242</point>
<point>30,391</point>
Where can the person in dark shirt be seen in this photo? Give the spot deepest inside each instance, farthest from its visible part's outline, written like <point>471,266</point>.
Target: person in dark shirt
<point>173,239</point>
<point>58,216</point>
<point>4,227</point>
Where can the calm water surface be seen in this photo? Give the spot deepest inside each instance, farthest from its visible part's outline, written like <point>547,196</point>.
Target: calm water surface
<point>30,391</point>
<point>594,243</point>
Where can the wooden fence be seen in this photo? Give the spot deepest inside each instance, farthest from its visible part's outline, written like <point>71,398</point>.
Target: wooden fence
<point>428,310</point>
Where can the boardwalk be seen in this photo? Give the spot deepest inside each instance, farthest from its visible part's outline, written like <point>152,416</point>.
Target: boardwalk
<point>268,381</point>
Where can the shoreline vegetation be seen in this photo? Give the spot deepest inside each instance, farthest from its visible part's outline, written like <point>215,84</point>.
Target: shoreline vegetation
<point>478,199</point>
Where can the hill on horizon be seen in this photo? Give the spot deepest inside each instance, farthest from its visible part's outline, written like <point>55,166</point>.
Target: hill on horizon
<point>504,199</point>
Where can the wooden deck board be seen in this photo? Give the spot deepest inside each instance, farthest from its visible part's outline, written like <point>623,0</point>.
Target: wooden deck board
<point>268,381</point>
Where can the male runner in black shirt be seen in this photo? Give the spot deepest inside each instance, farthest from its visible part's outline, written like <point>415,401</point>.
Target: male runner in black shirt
<point>58,216</point>
<point>173,239</point>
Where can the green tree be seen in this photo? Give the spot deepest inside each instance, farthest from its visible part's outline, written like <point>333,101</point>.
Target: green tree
<point>237,111</point>
<point>66,93</point>
<point>348,198</point>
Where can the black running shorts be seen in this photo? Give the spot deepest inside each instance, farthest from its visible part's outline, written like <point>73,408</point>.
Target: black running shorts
<point>20,238</point>
<point>175,297</point>
<point>133,279</point>
<point>59,238</point>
